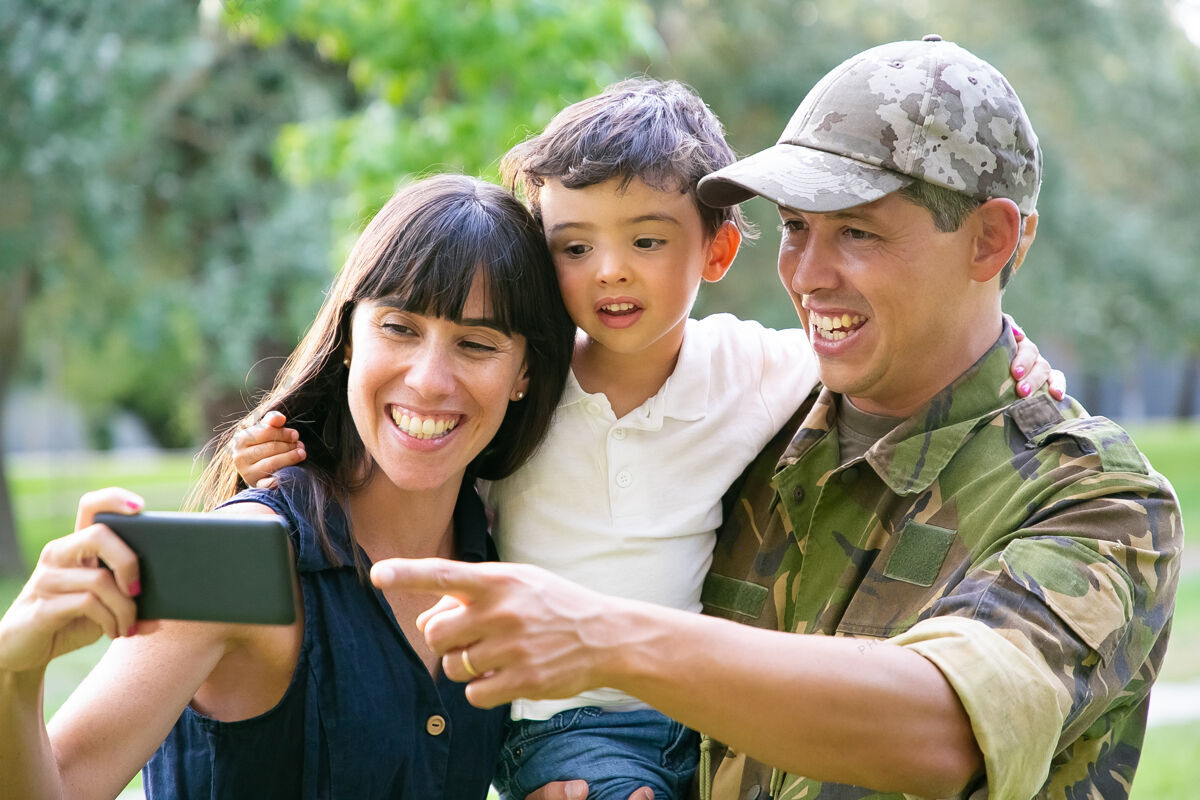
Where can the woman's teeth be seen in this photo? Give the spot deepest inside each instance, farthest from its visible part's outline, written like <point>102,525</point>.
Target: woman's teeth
<point>422,427</point>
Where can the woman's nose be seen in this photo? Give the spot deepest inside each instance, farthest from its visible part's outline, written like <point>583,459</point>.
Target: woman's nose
<point>431,372</point>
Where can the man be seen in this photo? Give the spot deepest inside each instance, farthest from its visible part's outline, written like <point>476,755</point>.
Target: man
<point>965,596</point>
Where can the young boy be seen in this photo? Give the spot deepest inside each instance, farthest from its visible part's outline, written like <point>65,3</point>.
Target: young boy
<point>660,414</point>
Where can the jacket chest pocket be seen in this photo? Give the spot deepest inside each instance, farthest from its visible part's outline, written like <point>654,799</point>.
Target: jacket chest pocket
<point>915,567</point>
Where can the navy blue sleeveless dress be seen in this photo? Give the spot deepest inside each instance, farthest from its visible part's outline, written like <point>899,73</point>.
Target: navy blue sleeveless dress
<point>362,717</point>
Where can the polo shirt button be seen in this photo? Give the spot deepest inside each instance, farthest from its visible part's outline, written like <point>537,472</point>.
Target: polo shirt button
<point>435,725</point>
<point>798,497</point>
<point>624,479</point>
<point>618,433</point>
<point>593,407</point>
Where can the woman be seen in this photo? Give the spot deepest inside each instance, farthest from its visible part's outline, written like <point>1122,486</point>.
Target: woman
<point>436,358</point>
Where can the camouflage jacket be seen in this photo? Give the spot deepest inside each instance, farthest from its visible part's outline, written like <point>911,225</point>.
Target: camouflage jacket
<point>1030,516</point>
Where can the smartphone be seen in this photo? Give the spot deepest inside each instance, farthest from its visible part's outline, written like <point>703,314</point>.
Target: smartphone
<point>210,567</point>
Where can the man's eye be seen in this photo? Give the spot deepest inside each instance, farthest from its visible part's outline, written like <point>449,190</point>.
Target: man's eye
<point>856,233</point>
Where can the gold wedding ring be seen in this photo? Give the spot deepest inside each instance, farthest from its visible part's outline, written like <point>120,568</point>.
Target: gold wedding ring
<point>466,662</point>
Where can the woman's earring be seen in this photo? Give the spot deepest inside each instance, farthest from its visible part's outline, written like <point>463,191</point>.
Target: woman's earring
<point>346,363</point>
<point>520,395</point>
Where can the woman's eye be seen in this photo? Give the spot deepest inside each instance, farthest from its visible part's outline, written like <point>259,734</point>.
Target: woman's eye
<point>479,347</point>
<point>791,226</point>
<point>398,328</point>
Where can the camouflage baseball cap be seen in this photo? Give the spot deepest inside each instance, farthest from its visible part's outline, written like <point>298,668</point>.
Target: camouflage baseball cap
<point>925,110</point>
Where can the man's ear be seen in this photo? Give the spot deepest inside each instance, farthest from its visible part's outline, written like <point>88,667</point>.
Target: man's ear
<point>721,252</point>
<point>997,235</point>
<point>1027,237</point>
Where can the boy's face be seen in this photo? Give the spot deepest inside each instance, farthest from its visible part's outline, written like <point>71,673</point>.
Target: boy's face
<point>629,262</point>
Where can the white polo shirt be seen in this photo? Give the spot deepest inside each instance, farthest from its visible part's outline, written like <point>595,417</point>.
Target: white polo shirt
<point>630,506</point>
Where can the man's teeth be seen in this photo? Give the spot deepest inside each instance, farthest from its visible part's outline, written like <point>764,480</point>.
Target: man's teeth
<point>837,327</point>
<point>616,308</point>
<point>422,427</point>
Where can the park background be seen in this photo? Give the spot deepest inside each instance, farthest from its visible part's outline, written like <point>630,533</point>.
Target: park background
<point>179,181</point>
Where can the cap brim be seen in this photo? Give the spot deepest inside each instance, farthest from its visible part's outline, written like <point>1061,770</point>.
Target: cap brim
<point>799,178</point>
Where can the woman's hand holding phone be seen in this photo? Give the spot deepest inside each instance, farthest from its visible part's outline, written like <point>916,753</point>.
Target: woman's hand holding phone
<point>82,587</point>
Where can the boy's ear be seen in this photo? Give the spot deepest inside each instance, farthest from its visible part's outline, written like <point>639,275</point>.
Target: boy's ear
<point>721,252</point>
<point>997,237</point>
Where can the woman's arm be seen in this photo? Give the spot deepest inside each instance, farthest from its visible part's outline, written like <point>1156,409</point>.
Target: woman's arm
<point>124,709</point>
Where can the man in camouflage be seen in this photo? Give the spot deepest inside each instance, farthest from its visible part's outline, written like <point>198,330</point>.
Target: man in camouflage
<point>964,595</point>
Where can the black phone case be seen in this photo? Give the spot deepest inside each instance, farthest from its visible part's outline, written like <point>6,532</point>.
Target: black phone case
<point>210,567</point>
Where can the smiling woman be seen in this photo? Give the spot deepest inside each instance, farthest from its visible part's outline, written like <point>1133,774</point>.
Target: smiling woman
<point>437,357</point>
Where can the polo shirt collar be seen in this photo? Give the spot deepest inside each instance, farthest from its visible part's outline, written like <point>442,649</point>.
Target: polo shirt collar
<point>683,397</point>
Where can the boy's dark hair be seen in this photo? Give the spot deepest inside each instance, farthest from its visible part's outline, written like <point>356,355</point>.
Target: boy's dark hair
<point>658,131</point>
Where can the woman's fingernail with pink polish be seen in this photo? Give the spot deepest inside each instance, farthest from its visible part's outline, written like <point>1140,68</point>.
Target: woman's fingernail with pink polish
<point>1023,389</point>
<point>1019,371</point>
<point>135,588</point>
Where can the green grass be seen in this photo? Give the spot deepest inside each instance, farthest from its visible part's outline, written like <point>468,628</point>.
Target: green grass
<point>1174,450</point>
<point>46,493</point>
<point>1168,767</point>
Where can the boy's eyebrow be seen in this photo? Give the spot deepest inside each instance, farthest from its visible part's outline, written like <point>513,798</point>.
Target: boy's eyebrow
<point>667,218</point>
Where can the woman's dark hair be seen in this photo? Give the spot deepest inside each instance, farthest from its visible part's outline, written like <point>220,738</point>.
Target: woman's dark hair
<point>426,245</point>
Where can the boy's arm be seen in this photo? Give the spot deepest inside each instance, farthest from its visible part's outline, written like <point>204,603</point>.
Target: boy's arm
<point>262,449</point>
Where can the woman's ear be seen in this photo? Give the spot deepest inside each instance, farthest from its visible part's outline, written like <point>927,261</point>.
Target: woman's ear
<point>721,252</point>
<point>521,387</point>
<point>997,236</point>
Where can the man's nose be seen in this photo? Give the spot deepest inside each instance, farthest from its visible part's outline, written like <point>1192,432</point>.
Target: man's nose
<point>808,266</point>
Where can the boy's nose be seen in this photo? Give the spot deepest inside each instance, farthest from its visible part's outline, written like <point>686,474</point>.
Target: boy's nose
<point>612,270</point>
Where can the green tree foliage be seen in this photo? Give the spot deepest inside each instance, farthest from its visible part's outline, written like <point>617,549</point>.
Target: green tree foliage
<point>444,88</point>
<point>151,254</point>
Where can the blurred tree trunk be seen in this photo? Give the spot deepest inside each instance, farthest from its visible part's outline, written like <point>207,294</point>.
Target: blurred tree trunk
<point>17,290</point>
<point>1185,407</point>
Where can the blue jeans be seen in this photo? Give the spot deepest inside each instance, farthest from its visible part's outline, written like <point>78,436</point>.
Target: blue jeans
<point>614,751</point>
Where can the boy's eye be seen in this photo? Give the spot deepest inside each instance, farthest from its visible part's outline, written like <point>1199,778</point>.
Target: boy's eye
<point>576,250</point>
<point>648,243</point>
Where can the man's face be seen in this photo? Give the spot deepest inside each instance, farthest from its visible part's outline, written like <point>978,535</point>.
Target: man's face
<point>886,299</point>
